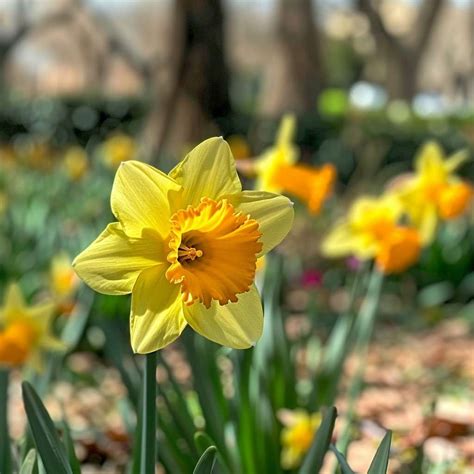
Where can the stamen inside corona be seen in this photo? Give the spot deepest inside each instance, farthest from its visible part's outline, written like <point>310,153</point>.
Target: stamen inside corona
<point>213,252</point>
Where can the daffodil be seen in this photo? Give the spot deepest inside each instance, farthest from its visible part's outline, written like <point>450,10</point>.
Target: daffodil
<point>372,230</point>
<point>25,331</point>
<point>63,279</point>
<point>434,192</point>
<point>278,171</point>
<point>284,153</point>
<point>63,283</point>
<point>117,149</point>
<point>76,163</point>
<point>3,202</point>
<point>297,435</point>
<point>186,246</point>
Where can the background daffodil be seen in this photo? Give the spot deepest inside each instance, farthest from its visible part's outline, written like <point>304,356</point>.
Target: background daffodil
<point>283,153</point>
<point>297,435</point>
<point>186,245</point>
<point>372,230</point>
<point>434,192</point>
<point>25,331</point>
<point>277,171</point>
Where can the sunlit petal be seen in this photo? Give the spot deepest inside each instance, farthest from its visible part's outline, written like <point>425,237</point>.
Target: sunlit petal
<point>207,171</point>
<point>141,198</point>
<point>237,325</point>
<point>156,317</point>
<point>111,264</point>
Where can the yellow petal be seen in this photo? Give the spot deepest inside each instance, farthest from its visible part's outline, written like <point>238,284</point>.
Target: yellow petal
<point>286,130</point>
<point>429,162</point>
<point>207,171</point>
<point>237,325</point>
<point>341,242</point>
<point>13,298</point>
<point>428,222</point>
<point>156,318</point>
<point>111,264</point>
<point>51,343</point>
<point>140,198</point>
<point>274,214</point>
<point>455,161</point>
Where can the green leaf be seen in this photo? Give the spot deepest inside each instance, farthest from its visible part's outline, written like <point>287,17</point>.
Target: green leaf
<point>28,465</point>
<point>205,465</point>
<point>345,468</point>
<point>47,442</point>
<point>71,454</point>
<point>5,454</point>
<point>379,464</point>
<point>313,460</point>
<point>202,441</point>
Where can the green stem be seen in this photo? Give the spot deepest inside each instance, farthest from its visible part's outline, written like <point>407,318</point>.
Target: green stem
<point>363,329</point>
<point>5,456</point>
<point>148,438</point>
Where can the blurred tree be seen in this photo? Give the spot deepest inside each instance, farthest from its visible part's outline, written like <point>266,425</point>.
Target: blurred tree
<point>198,91</point>
<point>403,56</point>
<point>295,74</point>
<point>24,28</point>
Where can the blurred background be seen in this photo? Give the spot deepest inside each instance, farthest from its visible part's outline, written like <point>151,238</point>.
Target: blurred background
<point>85,84</point>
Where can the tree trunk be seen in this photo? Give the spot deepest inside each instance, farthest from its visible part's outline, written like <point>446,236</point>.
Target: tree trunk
<point>294,76</point>
<point>198,91</point>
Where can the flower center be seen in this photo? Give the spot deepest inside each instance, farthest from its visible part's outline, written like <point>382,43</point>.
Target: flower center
<point>310,185</point>
<point>213,252</point>
<point>15,343</point>
<point>398,250</point>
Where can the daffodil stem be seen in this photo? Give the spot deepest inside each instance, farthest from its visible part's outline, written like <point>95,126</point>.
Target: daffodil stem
<point>5,456</point>
<point>363,334</point>
<point>148,419</point>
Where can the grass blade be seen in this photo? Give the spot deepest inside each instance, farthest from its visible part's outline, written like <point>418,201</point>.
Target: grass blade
<point>314,458</point>
<point>345,468</point>
<point>28,465</point>
<point>205,465</point>
<point>5,454</point>
<point>46,439</point>
<point>380,462</point>
<point>71,454</point>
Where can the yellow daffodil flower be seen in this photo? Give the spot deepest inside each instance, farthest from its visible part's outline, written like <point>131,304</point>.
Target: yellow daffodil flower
<point>186,246</point>
<point>76,163</point>
<point>117,149</point>
<point>277,171</point>
<point>3,202</point>
<point>284,153</point>
<point>24,331</point>
<point>64,281</point>
<point>372,230</point>
<point>434,192</point>
<point>297,435</point>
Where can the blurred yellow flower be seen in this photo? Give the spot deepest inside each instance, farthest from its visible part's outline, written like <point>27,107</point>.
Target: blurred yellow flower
<point>117,149</point>
<point>3,202</point>
<point>283,153</point>
<point>63,282</point>
<point>186,246</point>
<point>25,331</point>
<point>372,230</point>
<point>434,192</point>
<point>297,435</point>
<point>76,163</point>
<point>277,171</point>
